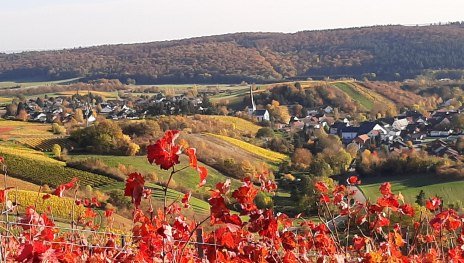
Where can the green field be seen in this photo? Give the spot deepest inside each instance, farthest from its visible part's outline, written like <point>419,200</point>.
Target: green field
<point>187,178</point>
<point>432,185</point>
<point>26,84</point>
<point>355,95</point>
<point>198,205</point>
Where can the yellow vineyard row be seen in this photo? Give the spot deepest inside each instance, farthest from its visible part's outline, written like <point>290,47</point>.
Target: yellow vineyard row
<point>60,207</point>
<point>265,153</point>
<point>239,123</point>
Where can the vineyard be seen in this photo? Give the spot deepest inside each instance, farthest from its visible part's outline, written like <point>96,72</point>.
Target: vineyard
<point>45,143</point>
<point>37,168</point>
<point>365,97</point>
<point>20,129</point>
<point>27,153</point>
<point>372,95</point>
<point>185,178</point>
<point>59,207</point>
<point>355,95</point>
<point>261,152</point>
<point>239,123</point>
<point>199,206</point>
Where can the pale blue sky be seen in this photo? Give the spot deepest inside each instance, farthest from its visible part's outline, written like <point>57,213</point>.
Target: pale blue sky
<point>51,24</point>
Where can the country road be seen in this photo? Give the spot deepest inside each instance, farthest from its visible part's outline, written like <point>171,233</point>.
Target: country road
<point>339,220</point>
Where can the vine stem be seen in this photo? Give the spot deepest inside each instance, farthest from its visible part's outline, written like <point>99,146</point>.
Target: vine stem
<point>191,234</point>
<point>165,207</point>
<point>165,189</point>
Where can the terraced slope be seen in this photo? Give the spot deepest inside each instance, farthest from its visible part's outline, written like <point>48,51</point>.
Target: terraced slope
<point>33,166</point>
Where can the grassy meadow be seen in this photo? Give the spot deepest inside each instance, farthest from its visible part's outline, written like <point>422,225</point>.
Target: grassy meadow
<point>187,178</point>
<point>355,95</point>
<point>432,185</point>
<point>28,83</point>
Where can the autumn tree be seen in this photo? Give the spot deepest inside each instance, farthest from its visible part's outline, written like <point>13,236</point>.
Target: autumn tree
<point>302,158</point>
<point>11,110</point>
<point>22,115</point>
<point>352,149</point>
<point>104,137</point>
<point>56,150</point>
<point>79,116</point>
<point>278,113</point>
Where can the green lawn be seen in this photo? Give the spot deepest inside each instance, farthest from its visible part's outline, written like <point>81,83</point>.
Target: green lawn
<point>450,191</point>
<point>355,95</point>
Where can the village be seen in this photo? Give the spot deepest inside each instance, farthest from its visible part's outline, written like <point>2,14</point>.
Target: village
<point>435,133</point>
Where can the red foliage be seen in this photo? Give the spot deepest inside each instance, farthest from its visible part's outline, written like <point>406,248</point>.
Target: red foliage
<point>348,231</point>
<point>165,152</point>
<point>134,188</point>
<point>321,187</point>
<point>353,180</point>
<point>59,191</point>
<point>433,203</point>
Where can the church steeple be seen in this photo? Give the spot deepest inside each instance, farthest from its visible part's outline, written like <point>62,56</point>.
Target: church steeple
<point>252,107</point>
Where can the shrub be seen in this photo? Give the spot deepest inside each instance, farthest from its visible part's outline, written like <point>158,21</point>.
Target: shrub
<point>117,198</point>
<point>56,150</point>
<point>105,137</point>
<point>265,133</point>
<point>58,129</point>
<point>98,166</point>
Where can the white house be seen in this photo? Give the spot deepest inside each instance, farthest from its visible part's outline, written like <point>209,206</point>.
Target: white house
<point>261,115</point>
<point>400,124</point>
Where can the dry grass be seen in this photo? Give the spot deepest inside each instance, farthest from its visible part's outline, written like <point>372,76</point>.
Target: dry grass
<point>20,129</point>
<point>104,94</point>
<point>17,183</point>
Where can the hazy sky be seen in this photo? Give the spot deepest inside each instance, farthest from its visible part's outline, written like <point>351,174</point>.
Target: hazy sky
<point>51,24</point>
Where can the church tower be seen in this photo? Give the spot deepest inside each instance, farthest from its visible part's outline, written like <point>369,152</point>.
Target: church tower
<point>252,107</point>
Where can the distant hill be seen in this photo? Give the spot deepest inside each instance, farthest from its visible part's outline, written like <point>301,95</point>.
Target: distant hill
<point>380,52</point>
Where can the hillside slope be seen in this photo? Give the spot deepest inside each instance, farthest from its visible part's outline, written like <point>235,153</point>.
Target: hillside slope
<point>385,52</point>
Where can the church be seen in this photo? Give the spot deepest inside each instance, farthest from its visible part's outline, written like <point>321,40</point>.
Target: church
<point>260,115</point>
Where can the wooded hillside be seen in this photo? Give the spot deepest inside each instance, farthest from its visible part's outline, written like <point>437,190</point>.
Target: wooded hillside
<point>380,52</point>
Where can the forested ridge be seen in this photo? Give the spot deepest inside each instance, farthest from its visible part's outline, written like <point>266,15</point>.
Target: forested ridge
<point>380,52</point>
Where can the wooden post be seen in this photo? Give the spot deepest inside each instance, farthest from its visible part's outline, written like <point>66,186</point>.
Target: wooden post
<point>199,242</point>
<point>123,241</point>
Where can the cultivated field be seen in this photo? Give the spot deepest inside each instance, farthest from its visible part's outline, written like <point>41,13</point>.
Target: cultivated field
<point>36,167</point>
<point>355,94</point>
<point>60,207</point>
<point>239,124</point>
<point>271,156</point>
<point>20,129</point>
<point>27,84</point>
